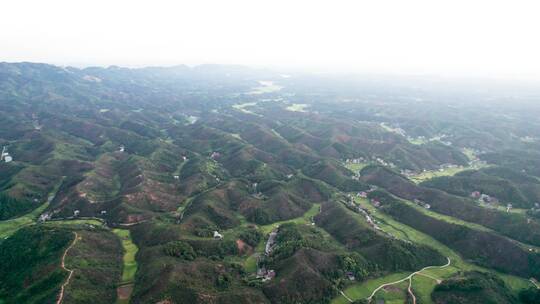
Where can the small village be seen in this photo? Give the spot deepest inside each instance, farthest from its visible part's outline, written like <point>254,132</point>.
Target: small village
<point>263,273</point>
<point>351,204</point>
<point>488,200</point>
<point>422,203</point>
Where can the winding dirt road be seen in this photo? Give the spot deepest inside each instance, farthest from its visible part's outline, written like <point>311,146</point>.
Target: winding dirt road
<point>409,277</point>
<point>410,291</point>
<point>63,265</point>
<point>345,296</point>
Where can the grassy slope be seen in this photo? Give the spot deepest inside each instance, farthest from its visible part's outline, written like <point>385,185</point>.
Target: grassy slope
<point>304,219</point>
<point>250,263</point>
<point>130,250</point>
<point>355,167</point>
<point>421,286</point>
<point>9,227</point>
<point>436,173</point>
<point>129,263</point>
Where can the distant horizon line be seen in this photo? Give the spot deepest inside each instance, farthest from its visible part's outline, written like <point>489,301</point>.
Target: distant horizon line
<point>300,70</point>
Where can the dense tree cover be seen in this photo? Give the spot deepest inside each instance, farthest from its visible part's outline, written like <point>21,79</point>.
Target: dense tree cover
<point>251,236</point>
<point>96,259</point>
<point>357,264</point>
<point>506,185</point>
<point>525,160</point>
<point>384,253</point>
<point>34,148</point>
<point>292,237</point>
<point>307,276</point>
<point>473,287</point>
<point>180,249</point>
<point>213,249</point>
<point>512,225</point>
<point>30,264</point>
<point>334,174</point>
<point>11,207</point>
<point>530,296</point>
<point>481,247</point>
<point>271,164</point>
<point>7,171</point>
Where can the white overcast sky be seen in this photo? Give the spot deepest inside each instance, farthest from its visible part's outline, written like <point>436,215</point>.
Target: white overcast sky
<point>474,37</point>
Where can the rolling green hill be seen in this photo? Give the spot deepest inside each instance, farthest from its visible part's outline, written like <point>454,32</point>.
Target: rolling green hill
<point>225,184</point>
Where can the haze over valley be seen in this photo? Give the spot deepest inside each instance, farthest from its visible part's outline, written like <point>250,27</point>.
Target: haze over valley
<point>241,152</point>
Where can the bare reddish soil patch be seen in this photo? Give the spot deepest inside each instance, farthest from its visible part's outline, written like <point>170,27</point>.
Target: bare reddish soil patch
<point>124,292</point>
<point>243,247</point>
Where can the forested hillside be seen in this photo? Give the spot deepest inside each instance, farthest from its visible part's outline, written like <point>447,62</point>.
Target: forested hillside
<point>225,184</point>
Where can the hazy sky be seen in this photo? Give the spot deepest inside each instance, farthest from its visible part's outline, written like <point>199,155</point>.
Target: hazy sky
<point>497,38</point>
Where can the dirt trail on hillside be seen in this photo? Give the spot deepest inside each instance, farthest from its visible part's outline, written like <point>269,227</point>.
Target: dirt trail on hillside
<point>346,297</point>
<point>410,291</point>
<point>409,277</point>
<point>63,265</point>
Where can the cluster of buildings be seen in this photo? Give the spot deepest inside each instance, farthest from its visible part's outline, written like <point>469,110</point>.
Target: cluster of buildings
<point>44,217</point>
<point>257,194</point>
<point>447,166</point>
<point>422,203</point>
<point>484,198</point>
<point>5,155</point>
<point>265,275</point>
<point>407,172</point>
<point>410,173</point>
<point>489,200</point>
<point>385,163</point>
<point>355,160</point>
<point>357,208</point>
<point>362,160</point>
<point>47,216</point>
